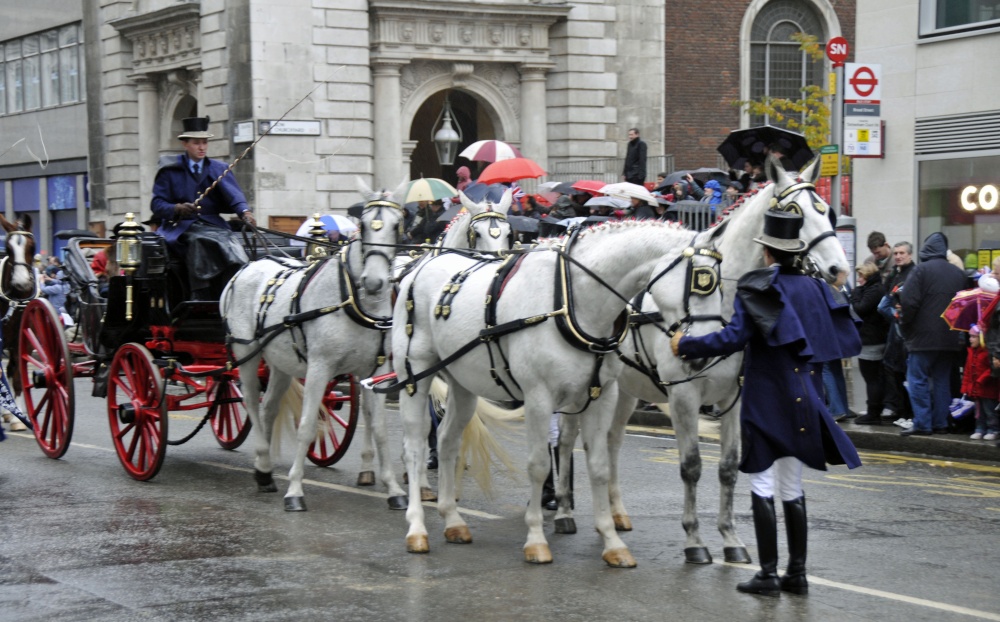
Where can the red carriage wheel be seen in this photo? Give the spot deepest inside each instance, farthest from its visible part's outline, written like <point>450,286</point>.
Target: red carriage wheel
<point>47,377</point>
<point>230,421</point>
<point>337,421</point>
<point>137,411</point>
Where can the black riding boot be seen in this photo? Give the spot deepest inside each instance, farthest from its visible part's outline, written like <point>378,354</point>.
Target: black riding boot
<point>794,580</point>
<point>549,501</point>
<point>765,582</point>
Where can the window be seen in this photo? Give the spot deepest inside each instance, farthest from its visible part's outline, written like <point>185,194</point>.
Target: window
<point>41,70</point>
<point>939,17</point>
<point>777,67</point>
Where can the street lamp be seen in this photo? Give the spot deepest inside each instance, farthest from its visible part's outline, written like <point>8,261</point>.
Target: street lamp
<point>446,139</point>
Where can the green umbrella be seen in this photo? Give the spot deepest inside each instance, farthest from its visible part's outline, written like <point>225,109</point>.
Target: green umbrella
<point>429,189</point>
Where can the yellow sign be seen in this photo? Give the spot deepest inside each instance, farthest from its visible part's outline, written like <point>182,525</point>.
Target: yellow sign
<point>984,258</point>
<point>833,83</point>
<point>828,164</point>
<point>994,254</point>
<point>862,136</point>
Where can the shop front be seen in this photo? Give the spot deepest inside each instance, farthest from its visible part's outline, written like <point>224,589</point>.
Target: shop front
<point>959,195</point>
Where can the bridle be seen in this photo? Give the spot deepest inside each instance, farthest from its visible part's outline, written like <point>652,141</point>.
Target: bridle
<point>377,224</point>
<point>5,293</point>
<point>494,230</point>
<point>794,207</point>
<point>701,280</point>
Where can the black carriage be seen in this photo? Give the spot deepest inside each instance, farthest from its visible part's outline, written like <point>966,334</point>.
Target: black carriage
<point>150,351</point>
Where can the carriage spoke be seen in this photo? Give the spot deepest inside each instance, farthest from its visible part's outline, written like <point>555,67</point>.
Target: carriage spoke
<point>33,338</point>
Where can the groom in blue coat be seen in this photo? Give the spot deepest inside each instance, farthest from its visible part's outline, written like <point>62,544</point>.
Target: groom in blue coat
<point>192,224</point>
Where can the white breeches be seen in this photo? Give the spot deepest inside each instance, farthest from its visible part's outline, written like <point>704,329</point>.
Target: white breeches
<point>788,473</point>
<point>554,430</point>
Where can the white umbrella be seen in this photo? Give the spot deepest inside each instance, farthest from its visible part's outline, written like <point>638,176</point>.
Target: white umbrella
<point>330,222</point>
<point>626,190</point>
<point>608,201</point>
<point>490,151</point>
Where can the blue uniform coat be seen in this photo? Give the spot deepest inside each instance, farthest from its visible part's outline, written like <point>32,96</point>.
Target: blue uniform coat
<point>795,327</point>
<point>175,183</point>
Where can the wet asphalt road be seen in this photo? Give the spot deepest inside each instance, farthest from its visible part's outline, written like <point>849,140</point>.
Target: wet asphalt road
<point>902,539</point>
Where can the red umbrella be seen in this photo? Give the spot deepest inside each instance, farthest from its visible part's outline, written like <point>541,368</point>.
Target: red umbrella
<point>590,185</point>
<point>509,171</point>
<point>967,308</point>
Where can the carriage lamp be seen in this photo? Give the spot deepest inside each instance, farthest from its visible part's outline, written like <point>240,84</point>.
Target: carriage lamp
<point>316,249</point>
<point>128,248</point>
<point>446,139</point>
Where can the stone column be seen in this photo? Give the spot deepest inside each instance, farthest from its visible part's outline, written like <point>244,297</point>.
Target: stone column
<point>534,137</point>
<point>387,127</point>
<point>408,147</point>
<point>149,139</point>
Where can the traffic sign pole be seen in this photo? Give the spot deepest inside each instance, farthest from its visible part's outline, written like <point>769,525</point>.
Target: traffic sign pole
<point>837,131</point>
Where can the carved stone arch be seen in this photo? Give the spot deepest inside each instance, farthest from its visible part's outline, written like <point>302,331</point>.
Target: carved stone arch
<point>502,114</point>
<point>177,104</point>
<point>824,10</point>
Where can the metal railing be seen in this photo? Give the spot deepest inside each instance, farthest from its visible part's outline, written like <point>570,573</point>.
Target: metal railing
<point>608,170</point>
<point>694,215</point>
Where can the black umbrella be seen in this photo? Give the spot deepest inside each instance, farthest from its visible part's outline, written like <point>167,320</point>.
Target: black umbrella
<point>753,144</point>
<point>477,192</point>
<point>526,224</point>
<point>67,234</point>
<point>450,213</point>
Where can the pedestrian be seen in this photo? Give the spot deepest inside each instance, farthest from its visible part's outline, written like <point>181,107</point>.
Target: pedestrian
<point>834,382</point>
<point>790,325</point>
<point>55,287</point>
<point>635,159</point>
<point>932,346</point>
<point>874,330</point>
<point>978,383</point>
<point>897,400</point>
<point>464,178</point>
<point>881,254</point>
<point>210,248</point>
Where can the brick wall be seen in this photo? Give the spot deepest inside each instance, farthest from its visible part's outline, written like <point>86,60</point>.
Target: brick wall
<point>703,74</point>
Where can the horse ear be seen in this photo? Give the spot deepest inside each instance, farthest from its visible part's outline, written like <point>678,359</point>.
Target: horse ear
<point>24,220</point>
<point>365,190</point>
<point>473,208</point>
<point>399,194</point>
<point>811,171</point>
<point>776,173</point>
<point>505,201</point>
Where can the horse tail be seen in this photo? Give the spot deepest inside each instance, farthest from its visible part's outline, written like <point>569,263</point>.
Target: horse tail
<point>480,448</point>
<point>289,416</point>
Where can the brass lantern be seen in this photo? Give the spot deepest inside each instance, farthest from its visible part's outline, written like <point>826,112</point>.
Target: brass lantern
<point>129,251</point>
<point>317,249</point>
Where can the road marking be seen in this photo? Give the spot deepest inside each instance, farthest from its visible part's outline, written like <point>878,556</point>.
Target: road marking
<point>921,602</point>
<point>356,491</point>
<point>951,464</point>
<point>825,483</point>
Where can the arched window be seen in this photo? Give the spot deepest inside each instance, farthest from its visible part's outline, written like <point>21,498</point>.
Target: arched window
<point>777,67</point>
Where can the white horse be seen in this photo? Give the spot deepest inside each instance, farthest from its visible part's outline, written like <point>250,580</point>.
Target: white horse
<point>318,321</point>
<point>530,349</point>
<point>648,348</point>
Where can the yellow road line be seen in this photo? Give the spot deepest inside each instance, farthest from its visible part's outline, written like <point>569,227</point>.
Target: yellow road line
<point>920,602</point>
<point>950,464</point>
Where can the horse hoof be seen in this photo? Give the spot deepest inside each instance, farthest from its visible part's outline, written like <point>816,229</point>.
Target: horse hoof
<point>17,426</point>
<point>619,558</point>
<point>417,544</point>
<point>537,554</point>
<point>265,483</point>
<point>426,494</point>
<point>366,478</point>
<point>458,535</point>
<point>398,502</point>
<point>622,522</point>
<point>295,504</point>
<point>736,554</point>
<point>565,525</point>
<point>697,555</point>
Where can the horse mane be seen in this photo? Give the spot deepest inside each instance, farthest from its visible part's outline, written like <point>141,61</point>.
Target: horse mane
<point>613,225</point>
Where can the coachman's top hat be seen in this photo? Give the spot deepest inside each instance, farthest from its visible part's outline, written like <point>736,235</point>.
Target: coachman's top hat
<point>195,127</point>
<point>781,231</point>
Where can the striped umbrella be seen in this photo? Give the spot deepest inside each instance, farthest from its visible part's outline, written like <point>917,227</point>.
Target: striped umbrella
<point>429,189</point>
<point>490,151</point>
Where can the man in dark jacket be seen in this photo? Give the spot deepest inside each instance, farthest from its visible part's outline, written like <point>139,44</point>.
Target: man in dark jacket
<point>635,159</point>
<point>932,346</point>
<point>894,360</point>
<point>191,214</point>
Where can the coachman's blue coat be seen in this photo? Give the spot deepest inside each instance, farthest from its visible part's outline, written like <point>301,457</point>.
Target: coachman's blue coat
<point>792,325</point>
<point>175,183</point>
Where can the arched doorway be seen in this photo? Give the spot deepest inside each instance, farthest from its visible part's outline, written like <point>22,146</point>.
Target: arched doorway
<point>469,113</point>
<point>186,106</point>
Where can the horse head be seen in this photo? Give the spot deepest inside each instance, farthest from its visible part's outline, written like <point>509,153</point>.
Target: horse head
<point>825,256</point>
<point>17,276</point>
<point>687,289</point>
<point>380,227</point>
<point>488,229</point>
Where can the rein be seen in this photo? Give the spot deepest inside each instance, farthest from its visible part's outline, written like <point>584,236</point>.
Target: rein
<point>5,293</point>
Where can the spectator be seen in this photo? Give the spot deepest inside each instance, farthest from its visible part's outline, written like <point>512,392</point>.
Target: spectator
<point>732,194</point>
<point>635,159</point>
<point>834,383</point>
<point>55,287</point>
<point>874,329</point>
<point>687,190</point>
<point>426,226</point>
<point>931,344</point>
<point>713,194</point>
<point>894,360</point>
<point>659,179</point>
<point>757,176</point>
<point>978,383</point>
<point>881,254</point>
<point>464,178</point>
